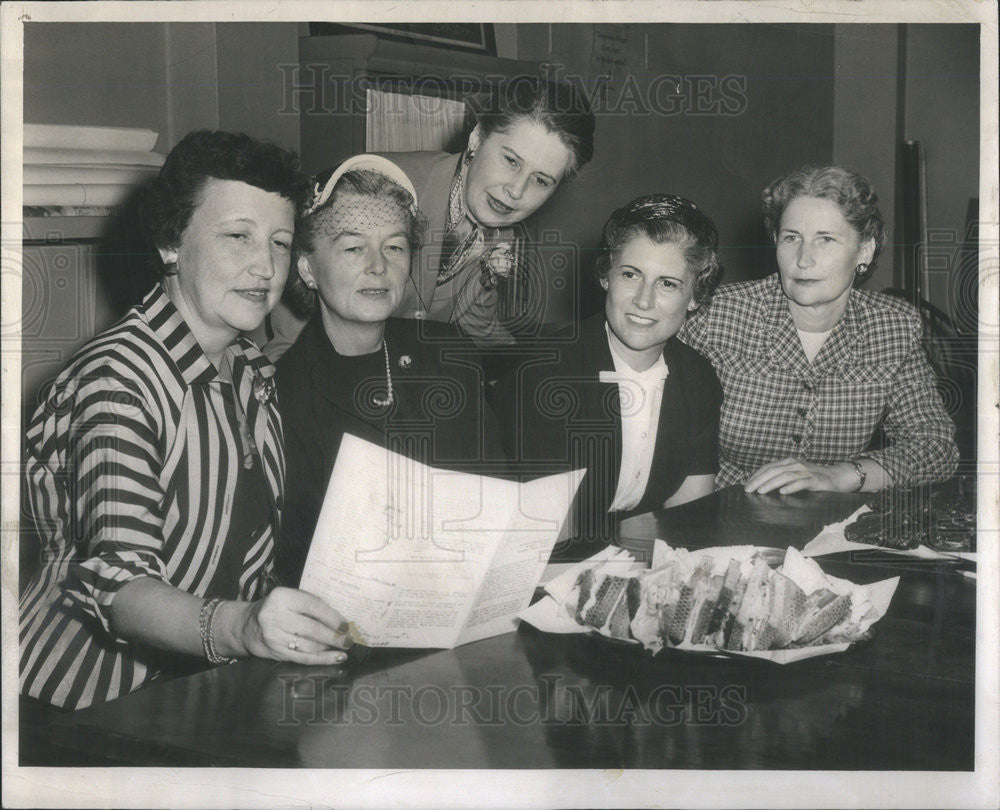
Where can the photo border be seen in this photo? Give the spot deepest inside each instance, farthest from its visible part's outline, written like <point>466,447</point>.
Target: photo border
<point>378,788</point>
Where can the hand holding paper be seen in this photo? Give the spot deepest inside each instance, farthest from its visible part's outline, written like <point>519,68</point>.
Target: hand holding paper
<point>415,556</point>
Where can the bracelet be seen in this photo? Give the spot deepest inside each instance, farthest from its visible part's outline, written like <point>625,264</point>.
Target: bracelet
<point>862,475</point>
<point>205,617</point>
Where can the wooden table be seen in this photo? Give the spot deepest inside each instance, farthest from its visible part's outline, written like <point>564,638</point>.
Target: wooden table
<point>904,700</point>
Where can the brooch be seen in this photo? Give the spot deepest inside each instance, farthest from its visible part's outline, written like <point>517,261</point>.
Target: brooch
<point>405,361</point>
<point>263,388</point>
<point>497,263</point>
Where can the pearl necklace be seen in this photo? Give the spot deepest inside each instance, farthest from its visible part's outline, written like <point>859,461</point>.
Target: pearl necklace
<point>390,397</point>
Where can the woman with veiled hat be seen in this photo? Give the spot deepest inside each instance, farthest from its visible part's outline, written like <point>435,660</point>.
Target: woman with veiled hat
<point>621,395</point>
<point>354,369</point>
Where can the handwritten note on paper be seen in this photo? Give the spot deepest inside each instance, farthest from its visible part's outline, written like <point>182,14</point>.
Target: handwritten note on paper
<point>415,556</point>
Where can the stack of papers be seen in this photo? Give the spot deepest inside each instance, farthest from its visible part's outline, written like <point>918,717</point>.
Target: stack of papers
<point>81,166</point>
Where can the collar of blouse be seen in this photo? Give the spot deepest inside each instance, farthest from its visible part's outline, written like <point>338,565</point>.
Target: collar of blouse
<point>782,344</point>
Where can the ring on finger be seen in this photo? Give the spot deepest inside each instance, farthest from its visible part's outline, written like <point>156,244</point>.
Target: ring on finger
<point>293,644</point>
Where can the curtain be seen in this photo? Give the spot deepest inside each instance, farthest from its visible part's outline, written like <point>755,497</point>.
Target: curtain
<point>400,122</point>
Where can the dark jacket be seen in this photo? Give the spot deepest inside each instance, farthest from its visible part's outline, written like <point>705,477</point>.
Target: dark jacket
<point>555,414</point>
<point>439,417</point>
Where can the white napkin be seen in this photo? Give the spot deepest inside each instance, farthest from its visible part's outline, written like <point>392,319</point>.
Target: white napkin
<point>549,613</point>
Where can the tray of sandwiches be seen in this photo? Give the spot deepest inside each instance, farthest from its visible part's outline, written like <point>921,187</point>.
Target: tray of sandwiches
<point>727,601</point>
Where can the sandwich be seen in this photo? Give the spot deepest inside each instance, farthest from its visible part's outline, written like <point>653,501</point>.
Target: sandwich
<point>711,600</point>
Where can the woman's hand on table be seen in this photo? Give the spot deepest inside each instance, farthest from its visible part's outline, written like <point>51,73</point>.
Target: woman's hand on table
<point>292,625</point>
<point>795,475</point>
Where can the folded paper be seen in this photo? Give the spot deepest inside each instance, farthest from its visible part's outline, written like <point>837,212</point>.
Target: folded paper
<point>416,556</point>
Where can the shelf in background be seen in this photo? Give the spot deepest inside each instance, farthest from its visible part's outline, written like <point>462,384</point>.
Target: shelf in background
<point>55,229</point>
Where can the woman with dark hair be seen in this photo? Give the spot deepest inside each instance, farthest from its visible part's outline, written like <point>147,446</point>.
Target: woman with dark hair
<point>621,395</point>
<point>154,463</point>
<point>811,365</point>
<point>354,369</point>
<point>530,137</point>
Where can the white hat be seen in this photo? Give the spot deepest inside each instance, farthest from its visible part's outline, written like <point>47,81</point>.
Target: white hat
<point>374,163</point>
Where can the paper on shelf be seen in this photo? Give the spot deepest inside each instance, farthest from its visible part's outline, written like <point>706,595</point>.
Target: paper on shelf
<point>416,556</point>
<point>104,194</point>
<point>50,156</point>
<point>72,136</point>
<point>50,175</point>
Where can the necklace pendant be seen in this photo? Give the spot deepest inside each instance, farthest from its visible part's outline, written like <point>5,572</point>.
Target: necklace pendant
<point>389,397</point>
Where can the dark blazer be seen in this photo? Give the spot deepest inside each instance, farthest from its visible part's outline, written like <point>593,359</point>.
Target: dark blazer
<point>439,417</point>
<point>555,414</point>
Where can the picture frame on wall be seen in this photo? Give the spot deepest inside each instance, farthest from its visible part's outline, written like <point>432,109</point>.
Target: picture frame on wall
<point>461,36</point>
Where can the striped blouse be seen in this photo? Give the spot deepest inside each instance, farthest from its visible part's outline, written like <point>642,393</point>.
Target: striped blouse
<point>131,465</point>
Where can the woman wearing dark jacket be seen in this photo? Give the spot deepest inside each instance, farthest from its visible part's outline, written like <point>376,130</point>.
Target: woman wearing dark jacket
<point>620,395</point>
<point>354,369</point>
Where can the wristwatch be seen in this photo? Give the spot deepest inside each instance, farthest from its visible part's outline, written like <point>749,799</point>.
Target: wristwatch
<point>862,475</point>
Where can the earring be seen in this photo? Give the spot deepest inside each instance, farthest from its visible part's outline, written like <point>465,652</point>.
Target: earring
<point>861,269</point>
<point>168,256</point>
<point>604,283</point>
<point>469,155</point>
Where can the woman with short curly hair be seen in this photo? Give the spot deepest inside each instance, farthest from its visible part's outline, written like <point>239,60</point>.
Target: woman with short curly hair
<point>621,396</point>
<point>154,464</point>
<point>811,364</point>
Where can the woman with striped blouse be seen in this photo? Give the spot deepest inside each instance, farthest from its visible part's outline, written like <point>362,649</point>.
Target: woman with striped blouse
<point>154,464</point>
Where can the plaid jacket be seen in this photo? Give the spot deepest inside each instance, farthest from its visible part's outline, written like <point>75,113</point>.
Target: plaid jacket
<point>870,371</point>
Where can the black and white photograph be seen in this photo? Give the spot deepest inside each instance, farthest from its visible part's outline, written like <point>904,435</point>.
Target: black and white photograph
<point>615,383</point>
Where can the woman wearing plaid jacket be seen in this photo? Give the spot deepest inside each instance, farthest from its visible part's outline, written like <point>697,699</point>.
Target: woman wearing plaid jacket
<point>810,365</point>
